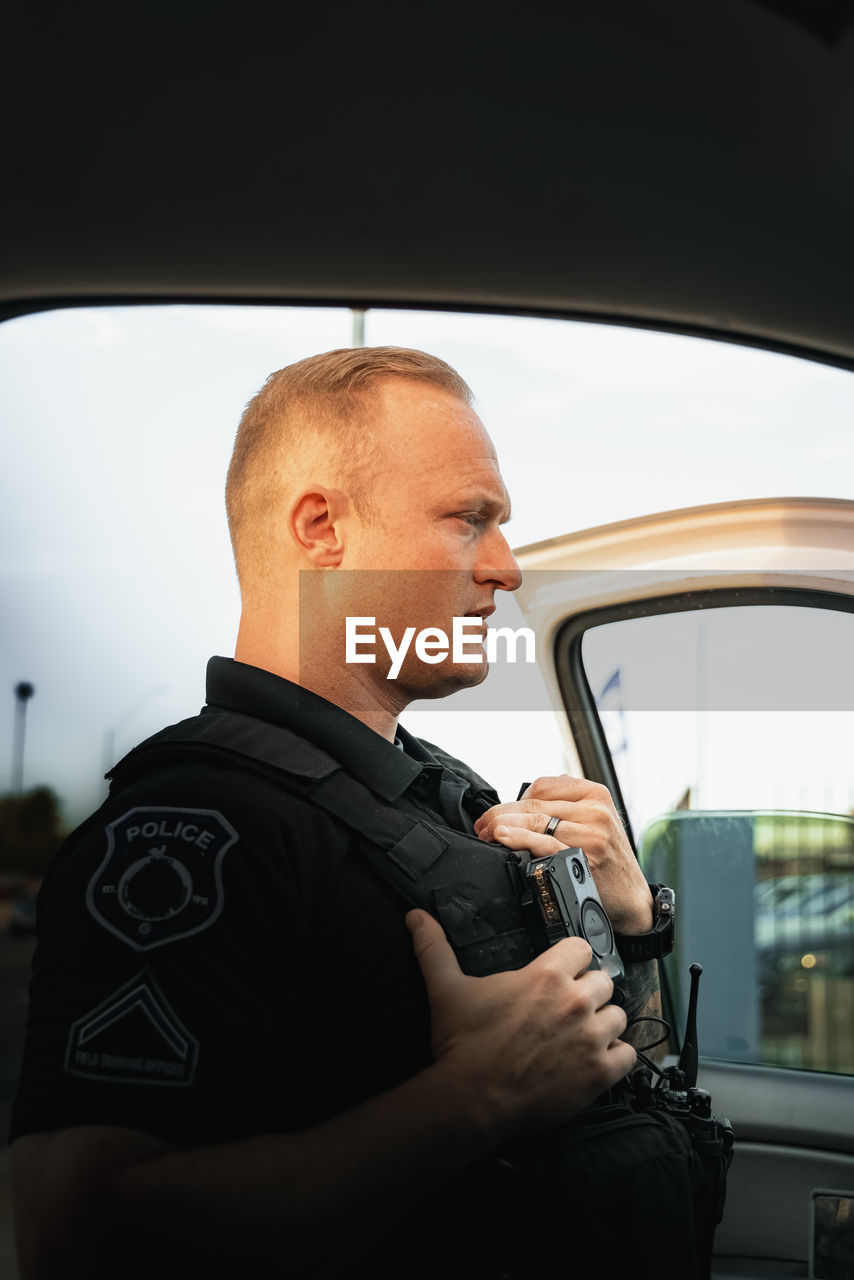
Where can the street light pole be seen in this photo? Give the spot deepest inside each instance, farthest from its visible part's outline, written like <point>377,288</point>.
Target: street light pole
<point>23,692</point>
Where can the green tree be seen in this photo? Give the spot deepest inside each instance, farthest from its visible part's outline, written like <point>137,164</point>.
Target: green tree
<point>31,831</point>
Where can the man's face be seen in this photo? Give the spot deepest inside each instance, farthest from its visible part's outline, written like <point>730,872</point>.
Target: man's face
<point>435,549</point>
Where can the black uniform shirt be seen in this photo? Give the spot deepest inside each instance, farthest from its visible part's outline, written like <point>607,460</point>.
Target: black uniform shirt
<point>215,958</point>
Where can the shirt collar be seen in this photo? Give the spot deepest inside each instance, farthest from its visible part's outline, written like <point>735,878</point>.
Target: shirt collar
<point>387,770</point>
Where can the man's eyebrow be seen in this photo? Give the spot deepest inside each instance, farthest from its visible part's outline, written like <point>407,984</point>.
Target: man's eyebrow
<point>486,505</point>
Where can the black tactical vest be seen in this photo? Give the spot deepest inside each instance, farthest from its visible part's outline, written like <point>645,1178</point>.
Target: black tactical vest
<point>477,891</point>
<point>639,1193</point>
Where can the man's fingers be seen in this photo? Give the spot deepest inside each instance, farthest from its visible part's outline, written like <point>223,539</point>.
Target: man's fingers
<point>536,815</point>
<point>628,1053</point>
<point>563,787</point>
<point>527,831</point>
<point>579,827</point>
<point>575,955</point>
<point>432,950</point>
<point>519,837</point>
<point>613,1021</point>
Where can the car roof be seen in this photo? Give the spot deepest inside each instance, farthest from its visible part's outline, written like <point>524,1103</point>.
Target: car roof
<point>683,166</point>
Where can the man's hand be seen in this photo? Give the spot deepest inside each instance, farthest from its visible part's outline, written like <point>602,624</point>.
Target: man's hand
<point>588,821</point>
<point>525,1049</point>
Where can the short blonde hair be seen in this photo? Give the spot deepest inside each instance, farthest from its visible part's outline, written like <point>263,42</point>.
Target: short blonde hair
<point>326,398</point>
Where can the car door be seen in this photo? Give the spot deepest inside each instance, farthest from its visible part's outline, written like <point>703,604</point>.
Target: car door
<point>700,661</point>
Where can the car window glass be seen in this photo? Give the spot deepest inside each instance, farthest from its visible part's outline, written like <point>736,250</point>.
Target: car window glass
<point>730,731</point>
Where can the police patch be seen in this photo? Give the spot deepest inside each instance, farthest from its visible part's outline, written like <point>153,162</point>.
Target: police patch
<point>134,1037</point>
<point>161,877</point>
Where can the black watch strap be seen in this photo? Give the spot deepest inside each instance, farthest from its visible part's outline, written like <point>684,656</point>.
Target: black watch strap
<point>634,948</point>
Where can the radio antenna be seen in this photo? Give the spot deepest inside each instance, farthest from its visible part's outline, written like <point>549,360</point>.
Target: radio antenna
<point>688,1057</point>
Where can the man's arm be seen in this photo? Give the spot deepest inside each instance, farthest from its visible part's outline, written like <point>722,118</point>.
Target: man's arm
<point>589,821</point>
<point>514,1053</point>
<point>642,999</point>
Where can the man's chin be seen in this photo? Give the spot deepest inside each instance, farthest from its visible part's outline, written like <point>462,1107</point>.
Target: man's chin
<point>447,680</point>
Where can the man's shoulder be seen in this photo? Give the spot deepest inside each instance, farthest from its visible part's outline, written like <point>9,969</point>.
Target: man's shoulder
<point>200,832</point>
<point>189,799</point>
<point>219,735</point>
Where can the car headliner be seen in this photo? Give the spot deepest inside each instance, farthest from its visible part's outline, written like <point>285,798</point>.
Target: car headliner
<point>685,166</point>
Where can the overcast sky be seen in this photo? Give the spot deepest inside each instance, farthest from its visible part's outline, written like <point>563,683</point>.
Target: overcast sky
<point>117,582</point>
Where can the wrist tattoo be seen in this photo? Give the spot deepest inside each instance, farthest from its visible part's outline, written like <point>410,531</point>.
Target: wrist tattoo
<point>642,999</point>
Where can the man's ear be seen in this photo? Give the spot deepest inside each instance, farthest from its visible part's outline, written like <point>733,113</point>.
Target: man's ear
<point>316,525</point>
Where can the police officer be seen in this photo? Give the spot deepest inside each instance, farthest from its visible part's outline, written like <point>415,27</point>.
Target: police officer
<point>241,1055</point>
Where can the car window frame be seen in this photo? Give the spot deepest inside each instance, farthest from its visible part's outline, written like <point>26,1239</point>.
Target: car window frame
<point>579,703</point>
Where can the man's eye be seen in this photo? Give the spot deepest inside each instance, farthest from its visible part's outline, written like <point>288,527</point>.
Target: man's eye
<point>472,518</point>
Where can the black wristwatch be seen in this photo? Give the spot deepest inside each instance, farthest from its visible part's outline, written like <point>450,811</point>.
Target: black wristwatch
<point>634,948</point>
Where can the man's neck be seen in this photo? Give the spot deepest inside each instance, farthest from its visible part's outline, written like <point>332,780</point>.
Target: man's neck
<point>358,699</point>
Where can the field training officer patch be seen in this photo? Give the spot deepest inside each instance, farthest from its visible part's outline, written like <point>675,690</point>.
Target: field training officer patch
<point>161,878</point>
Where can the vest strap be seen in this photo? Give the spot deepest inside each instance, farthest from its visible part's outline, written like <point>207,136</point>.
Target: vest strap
<point>471,887</point>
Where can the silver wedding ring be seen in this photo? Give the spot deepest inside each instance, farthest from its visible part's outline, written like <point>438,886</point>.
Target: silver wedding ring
<point>552,826</point>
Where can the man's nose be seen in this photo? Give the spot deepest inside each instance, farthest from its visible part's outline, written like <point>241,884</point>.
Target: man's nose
<point>497,564</point>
